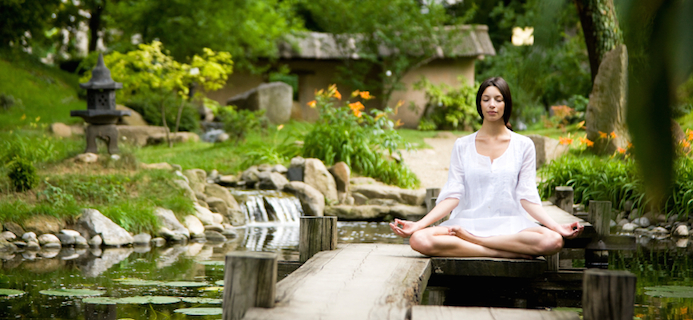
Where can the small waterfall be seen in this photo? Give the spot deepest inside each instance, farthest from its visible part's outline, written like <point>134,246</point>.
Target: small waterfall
<point>269,206</point>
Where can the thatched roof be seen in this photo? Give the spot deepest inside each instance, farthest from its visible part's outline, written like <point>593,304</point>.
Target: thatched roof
<point>469,40</point>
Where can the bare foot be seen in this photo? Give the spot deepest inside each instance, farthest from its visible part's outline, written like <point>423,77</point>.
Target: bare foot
<point>459,232</point>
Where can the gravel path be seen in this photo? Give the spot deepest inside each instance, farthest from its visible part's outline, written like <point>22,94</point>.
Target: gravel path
<point>431,165</point>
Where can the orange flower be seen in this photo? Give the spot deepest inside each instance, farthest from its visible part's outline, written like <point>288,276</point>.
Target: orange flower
<point>356,107</point>
<point>685,143</point>
<point>581,125</point>
<point>311,104</point>
<point>279,127</point>
<point>366,95</point>
<point>380,115</point>
<point>602,134</point>
<point>621,150</point>
<point>565,140</point>
<point>613,135</point>
<point>355,93</point>
<point>337,95</point>
<point>398,123</point>
<point>587,142</point>
<point>630,145</point>
<point>689,134</point>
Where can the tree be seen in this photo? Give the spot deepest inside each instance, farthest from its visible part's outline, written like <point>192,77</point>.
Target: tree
<point>25,21</point>
<point>601,30</point>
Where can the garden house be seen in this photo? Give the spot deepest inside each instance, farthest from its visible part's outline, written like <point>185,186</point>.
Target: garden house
<point>314,59</point>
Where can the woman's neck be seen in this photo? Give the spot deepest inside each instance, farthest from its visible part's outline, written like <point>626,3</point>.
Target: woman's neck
<point>493,129</point>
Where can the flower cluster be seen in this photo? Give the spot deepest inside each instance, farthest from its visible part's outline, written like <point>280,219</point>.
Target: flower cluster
<point>584,143</point>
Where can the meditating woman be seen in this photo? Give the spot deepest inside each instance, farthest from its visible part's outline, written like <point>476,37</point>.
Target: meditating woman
<point>490,190</point>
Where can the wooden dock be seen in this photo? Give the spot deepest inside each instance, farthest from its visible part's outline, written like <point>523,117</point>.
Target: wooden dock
<point>479,313</point>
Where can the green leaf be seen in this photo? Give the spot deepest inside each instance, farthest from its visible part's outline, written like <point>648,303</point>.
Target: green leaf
<point>201,300</point>
<point>11,292</point>
<point>72,292</point>
<point>199,311</point>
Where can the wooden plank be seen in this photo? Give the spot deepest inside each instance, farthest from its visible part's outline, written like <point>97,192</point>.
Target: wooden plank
<point>481,313</point>
<point>316,234</point>
<point>488,267</point>
<point>608,295</point>
<point>249,281</point>
<point>357,281</point>
<point>564,198</point>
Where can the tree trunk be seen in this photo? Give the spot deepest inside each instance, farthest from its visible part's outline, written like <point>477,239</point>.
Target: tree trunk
<point>95,24</point>
<point>600,26</point>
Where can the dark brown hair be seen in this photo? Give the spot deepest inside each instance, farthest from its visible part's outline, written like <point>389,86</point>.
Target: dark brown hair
<point>502,86</point>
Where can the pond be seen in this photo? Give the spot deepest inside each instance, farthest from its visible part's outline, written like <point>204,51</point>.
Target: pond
<point>190,278</point>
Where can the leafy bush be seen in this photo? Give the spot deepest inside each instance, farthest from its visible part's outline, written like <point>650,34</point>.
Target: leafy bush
<point>364,141</point>
<point>22,174</point>
<point>237,123</point>
<point>149,106</point>
<point>448,108</point>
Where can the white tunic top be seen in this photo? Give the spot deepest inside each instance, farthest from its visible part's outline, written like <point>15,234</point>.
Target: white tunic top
<point>490,192</point>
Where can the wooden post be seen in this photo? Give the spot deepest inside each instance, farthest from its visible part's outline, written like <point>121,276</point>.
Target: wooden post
<point>552,262</point>
<point>608,295</point>
<point>250,280</point>
<point>431,197</point>
<point>316,234</point>
<point>564,198</point>
<point>600,216</point>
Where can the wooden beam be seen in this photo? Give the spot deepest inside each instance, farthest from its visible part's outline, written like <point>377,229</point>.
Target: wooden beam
<point>316,234</point>
<point>249,281</point>
<point>608,295</point>
<point>564,198</point>
<point>481,313</point>
<point>488,267</point>
<point>600,216</point>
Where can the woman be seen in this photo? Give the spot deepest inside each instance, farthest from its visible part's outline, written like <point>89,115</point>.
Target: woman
<point>490,189</point>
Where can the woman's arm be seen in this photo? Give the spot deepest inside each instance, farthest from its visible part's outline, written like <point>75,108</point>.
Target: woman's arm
<point>569,231</point>
<point>438,212</point>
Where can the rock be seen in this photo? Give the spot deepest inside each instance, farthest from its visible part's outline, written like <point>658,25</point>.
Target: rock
<point>250,176</point>
<point>276,98</point>
<point>178,137</point>
<point>312,201</point>
<point>377,191</point>
<point>81,242</point>
<point>606,111</point>
<point>680,231</point>
<point>298,162</point>
<point>49,240</point>
<point>41,224</point>
<point>61,130</point>
<point>14,228</point>
<point>217,205</point>
<point>108,258</point>
<point>413,213</point>
<point>236,217</point>
<point>295,174</point>
<point>156,166</point>
<point>316,175</point>
<point>33,246</point>
<point>6,246</point>
<point>96,223</point>
<point>382,202</point>
<point>682,242</point>
<point>659,231</point>
<point>215,135</point>
<point>264,167</point>
<point>49,253</point>
<point>642,221</point>
<point>341,173</point>
<point>194,225</point>
<point>66,240</point>
<point>134,119</point>
<point>218,218</point>
<point>87,157</point>
<point>215,227</point>
<point>95,241</point>
<point>622,222</point>
<point>278,168</point>
<point>19,244</point>
<point>635,213</point>
<point>362,180</point>
<point>547,149</point>
<point>228,180</point>
<point>214,236</point>
<point>78,129</point>
<point>628,205</point>
<point>661,218</point>
<point>170,223</point>
<point>629,227</point>
<point>29,236</point>
<point>197,179</point>
<point>206,114</point>
<point>182,184</point>
<point>204,215</point>
<point>359,199</point>
<point>229,233</point>
<point>158,242</point>
<point>139,135</point>
<point>141,239</point>
<point>272,180</point>
<point>673,218</point>
<point>8,236</point>
<point>217,191</point>
<point>367,212</point>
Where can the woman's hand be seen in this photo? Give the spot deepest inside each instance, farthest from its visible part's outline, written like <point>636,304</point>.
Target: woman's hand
<point>404,228</point>
<point>570,230</point>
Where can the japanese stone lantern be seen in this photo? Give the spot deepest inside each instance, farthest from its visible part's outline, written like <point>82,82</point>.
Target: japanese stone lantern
<point>101,113</point>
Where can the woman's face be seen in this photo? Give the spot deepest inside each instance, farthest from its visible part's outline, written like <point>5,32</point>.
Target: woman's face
<point>492,104</point>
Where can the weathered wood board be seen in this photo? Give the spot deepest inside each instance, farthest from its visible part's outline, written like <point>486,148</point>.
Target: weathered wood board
<point>488,267</point>
<point>480,313</point>
<point>356,281</point>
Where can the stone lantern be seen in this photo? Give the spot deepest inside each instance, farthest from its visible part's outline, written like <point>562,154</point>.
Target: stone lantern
<point>101,113</point>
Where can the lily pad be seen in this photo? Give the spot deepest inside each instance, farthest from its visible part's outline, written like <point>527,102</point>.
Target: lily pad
<point>212,263</point>
<point>101,300</point>
<point>11,292</point>
<point>148,300</point>
<point>138,282</point>
<point>200,311</point>
<point>669,291</point>
<point>72,292</point>
<point>212,289</point>
<point>219,283</point>
<point>201,300</point>
<point>185,284</point>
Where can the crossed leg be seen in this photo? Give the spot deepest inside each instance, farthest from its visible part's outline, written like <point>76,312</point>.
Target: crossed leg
<point>457,242</point>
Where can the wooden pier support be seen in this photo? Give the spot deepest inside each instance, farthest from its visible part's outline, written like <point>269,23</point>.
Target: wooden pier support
<point>608,295</point>
<point>249,281</point>
<point>431,197</point>
<point>316,234</point>
<point>600,216</point>
<point>564,198</point>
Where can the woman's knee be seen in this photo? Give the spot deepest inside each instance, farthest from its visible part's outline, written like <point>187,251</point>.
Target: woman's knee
<point>420,242</point>
<point>552,243</point>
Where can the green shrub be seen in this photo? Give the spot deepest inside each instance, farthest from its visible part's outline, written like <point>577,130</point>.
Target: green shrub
<point>22,174</point>
<point>237,123</point>
<point>448,108</point>
<point>362,141</point>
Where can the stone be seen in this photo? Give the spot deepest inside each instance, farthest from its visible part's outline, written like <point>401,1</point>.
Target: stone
<point>382,202</point>
<point>659,231</point>
<point>96,223</point>
<point>218,218</point>
<point>41,224</point>
<point>214,236</point>
<point>194,225</point>
<point>622,222</point>
<point>158,242</point>
<point>139,135</point>
<point>217,191</point>
<point>681,231</point>
<point>14,228</point>
<point>250,176</point>
<point>298,162</point>
<point>215,227</point>
<point>629,227</point>
<point>642,221</point>
<point>606,111</point>
<point>61,130</point>
<point>276,98</point>
<point>359,199</point>
<point>29,236</point>
<point>49,240</point>
<point>204,215</point>
<point>19,244</point>
<point>95,241</point>
<point>49,252</point>
<point>278,168</point>
<point>295,174</point>
<point>413,213</point>
<point>236,217</point>
<point>272,180</point>
<point>355,181</point>
<point>170,223</point>
<point>197,179</point>
<point>142,239</point>
<point>134,119</point>
<point>228,180</point>
<point>81,242</point>
<point>229,233</point>
<point>316,175</point>
<point>628,205</point>
<point>312,201</point>
<point>183,185</point>
<point>66,240</point>
<point>635,213</point>
<point>213,176</point>
<point>217,205</point>
<point>8,236</point>
<point>87,157</point>
<point>108,258</point>
<point>6,246</point>
<point>341,173</point>
<point>33,246</point>
<point>661,218</point>
<point>214,135</point>
<point>206,113</point>
<point>367,212</point>
<point>178,137</point>
<point>156,166</point>
<point>78,129</point>
<point>264,167</point>
<point>404,196</point>
<point>547,149</point>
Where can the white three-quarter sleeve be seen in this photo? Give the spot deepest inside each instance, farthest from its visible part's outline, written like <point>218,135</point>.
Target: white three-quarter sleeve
<point>527,179</point>
<point>454,187</point>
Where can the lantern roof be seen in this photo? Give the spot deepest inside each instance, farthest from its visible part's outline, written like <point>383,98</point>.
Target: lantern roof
<point>101,77</point>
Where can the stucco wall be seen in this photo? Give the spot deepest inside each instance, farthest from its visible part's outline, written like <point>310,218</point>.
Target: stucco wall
<point>238,82</point>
